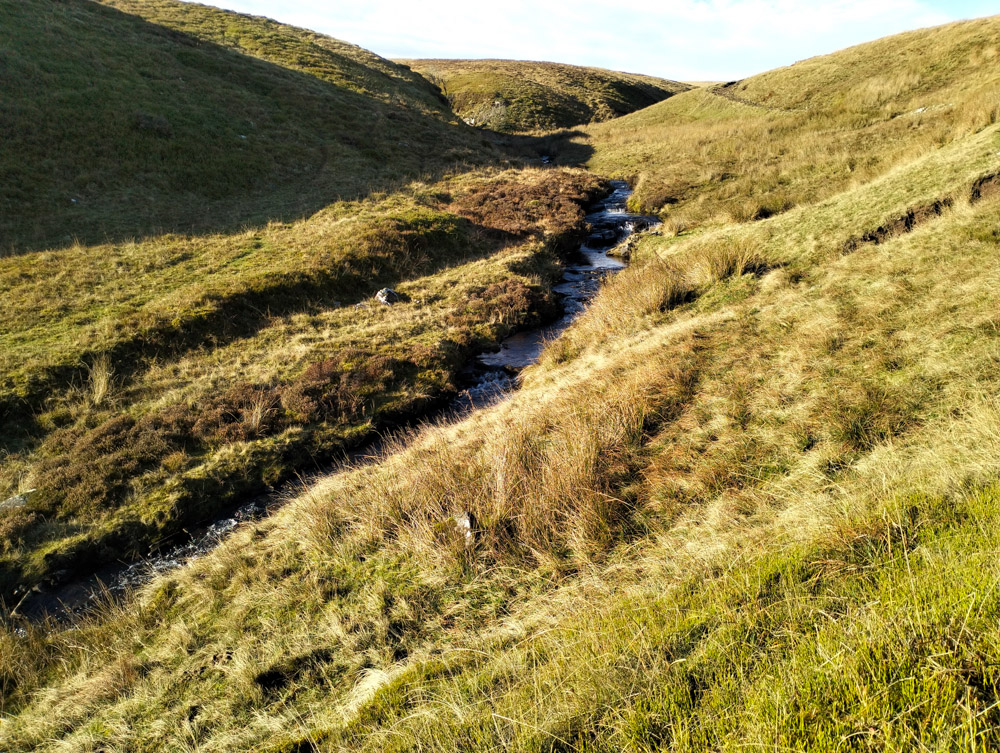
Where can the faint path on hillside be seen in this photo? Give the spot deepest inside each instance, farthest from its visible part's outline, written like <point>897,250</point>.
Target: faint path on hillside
<point>727,91</point>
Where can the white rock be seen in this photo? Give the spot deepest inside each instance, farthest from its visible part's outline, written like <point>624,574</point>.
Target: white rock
<point>18,500</point>
<point>387,296</point>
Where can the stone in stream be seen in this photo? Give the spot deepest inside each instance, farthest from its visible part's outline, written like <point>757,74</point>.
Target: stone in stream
<point>387,296</point>
<point>602,238</point>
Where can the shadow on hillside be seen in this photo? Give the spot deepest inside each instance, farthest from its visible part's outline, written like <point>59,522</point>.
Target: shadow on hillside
<point>131,160</point>
<point>234,316</point>
<point>565,148</point>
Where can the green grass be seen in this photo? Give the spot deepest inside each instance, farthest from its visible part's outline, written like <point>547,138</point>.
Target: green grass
<point>131,118</point>
<point>151,379</point>
<point>748,500</point>
<point>801,134</point>
<point>183,375</point>
<point>515,96</point>
<point>764,519</point>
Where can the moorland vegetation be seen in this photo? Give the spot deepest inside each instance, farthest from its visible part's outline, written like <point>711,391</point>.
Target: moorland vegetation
<point>748,500</point>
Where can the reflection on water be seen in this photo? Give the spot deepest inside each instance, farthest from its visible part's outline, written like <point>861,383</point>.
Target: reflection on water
<point>610,224</point>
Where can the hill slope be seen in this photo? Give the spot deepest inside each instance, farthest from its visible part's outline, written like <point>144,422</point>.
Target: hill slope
<point>148,384</point>
<point>519,96</point>
<point>750,499</point>
<point>124,118</point>
<point>750,149</point>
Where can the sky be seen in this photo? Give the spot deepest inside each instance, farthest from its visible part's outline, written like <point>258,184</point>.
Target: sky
<point>687,40</point>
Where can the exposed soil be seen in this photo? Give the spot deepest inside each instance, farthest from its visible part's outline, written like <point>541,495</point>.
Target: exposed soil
<point>985,187</point>
<point>905,223</point>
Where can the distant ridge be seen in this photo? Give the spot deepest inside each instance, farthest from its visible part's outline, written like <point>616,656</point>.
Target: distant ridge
<point>519,96</point>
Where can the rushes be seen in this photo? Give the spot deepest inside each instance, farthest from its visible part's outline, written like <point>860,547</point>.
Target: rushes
<point>545,487</point>
<point>718,510</point>
<point>656,283</point>
<point>100,381</point>
<point>729,257</point>
<point>258,410</point>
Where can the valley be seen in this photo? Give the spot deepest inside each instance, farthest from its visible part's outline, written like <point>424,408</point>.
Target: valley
<point>741,493</point>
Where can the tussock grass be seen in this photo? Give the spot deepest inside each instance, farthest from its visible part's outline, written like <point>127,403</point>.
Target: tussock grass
<point>152,399</point>
<point>744,517</point>
<point>100,381</point>
<point>801,134</point>
<point>749,499</point>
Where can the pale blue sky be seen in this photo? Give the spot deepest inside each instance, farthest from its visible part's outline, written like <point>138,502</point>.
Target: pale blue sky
<point>684,39</point>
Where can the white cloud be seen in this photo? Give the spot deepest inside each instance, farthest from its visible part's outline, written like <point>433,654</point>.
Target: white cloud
<point>685,39</point>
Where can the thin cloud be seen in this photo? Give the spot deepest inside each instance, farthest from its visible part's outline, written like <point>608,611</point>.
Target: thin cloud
<point>686,39</point>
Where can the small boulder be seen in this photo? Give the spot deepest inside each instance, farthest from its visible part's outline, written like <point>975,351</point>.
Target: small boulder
<point>466,525</point>
<point>18,500</point>
<point>460,530</point>
<point>387,296</point>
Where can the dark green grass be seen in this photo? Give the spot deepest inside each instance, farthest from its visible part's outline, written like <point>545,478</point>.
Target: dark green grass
<point>115,125</point>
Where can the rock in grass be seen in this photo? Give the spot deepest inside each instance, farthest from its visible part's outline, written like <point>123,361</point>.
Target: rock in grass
<point>466,525</point>
<point>157,125</point>
<point>18,500</point>
<point>388,296</point>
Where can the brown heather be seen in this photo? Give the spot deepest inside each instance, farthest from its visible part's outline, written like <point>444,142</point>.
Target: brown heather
<point>749,500</point>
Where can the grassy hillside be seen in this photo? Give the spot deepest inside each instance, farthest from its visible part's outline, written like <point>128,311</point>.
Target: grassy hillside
<point>175,376</point>
<point>750,149</point>
<point>748,500</point>
<point>132,117</point>
<point>516,96</point>
<point>148,383</point>
<point>751,499</point>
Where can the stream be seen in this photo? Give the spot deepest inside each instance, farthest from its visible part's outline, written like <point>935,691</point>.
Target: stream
<point>491,378</point>
<point>610,222</point>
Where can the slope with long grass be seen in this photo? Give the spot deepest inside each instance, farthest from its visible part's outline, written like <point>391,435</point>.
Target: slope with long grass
<point>179,375</point>
<point>748,500</point>
<point>149,382</point>
<point>517,96</point>
<point>747,150</point>
<point>123,119</point>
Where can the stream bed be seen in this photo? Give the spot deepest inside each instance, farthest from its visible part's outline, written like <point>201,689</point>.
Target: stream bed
<point>490,378</point>
<point>610,223</point>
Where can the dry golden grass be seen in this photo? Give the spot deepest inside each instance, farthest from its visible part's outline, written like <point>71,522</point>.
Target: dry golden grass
<point>749,499</point>
<point>800,134</point>
<point>147,401</point>
<point>675,505</point>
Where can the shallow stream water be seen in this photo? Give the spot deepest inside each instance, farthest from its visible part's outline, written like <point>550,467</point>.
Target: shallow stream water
<point>492,377</point>
<point>611,224</point>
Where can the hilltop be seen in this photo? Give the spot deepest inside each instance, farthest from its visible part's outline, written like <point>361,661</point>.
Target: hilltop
<point>516,96</point>
<point>149,382</point>
<point>747,150</point>
<point>749,499</point>
<point>128,118</point>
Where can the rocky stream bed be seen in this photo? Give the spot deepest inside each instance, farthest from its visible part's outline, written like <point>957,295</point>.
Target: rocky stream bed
<point>490,379</point>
